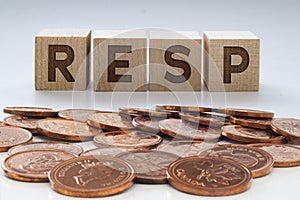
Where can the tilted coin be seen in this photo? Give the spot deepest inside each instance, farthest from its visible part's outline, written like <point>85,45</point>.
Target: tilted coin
<point>249,113</point>
<point>128,111</point>
<point>288,127</point>
<point>33,166</point>
<point>110,121</point>
<point>176,128</point>
<point>31,111</point>
<point>209,176</point>
<point>217,113</point>
<point>128,139</point>
<point>64,146</point>
<point>76,114</point>
<point>198,109</point>
<point>252,122</point>
<point>192,109</point>
<point>183,148</point>
<point>250,135</point>
<point>64,129</point>
<point>167,107</point>
<point>147,124</point>
<point>284,155</point>
<point>12,136</point>
<point>155,114</point>
<point>258,161</point>
<point>206,120</point>
<point>91,176</point>
<point>107,151</point>
<point>149,166</point>
<point>22,122</point>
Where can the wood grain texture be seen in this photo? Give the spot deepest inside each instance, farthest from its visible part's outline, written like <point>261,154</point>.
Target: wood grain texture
<point>214,48</point>
<point>190,43</point>
<point>129,48</point>
<point>79,41</point>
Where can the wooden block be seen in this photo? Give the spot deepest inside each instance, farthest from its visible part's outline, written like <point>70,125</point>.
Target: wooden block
<point>120,61</point>
<point>175,61</point>
<point>61,59</point>
<point>231,61</point>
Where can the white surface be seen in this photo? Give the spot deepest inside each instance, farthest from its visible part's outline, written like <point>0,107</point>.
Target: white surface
<point>275,22</point>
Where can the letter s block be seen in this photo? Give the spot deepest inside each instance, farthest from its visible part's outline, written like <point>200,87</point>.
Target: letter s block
<point>175,61</point>
<point>120,60</point>
<point>231,61</point>
<point>61,59</point>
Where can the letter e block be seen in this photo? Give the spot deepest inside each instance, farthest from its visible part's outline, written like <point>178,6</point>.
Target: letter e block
<point>120,60</point>
<point>175,61</point>
<point>61,59</point>
<point>231,61</point>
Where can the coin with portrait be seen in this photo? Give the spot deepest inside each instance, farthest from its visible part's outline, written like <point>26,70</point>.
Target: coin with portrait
<point>33,165</point>
<point>127,139</point>
<point>209,176</point>
<point>91,176</point>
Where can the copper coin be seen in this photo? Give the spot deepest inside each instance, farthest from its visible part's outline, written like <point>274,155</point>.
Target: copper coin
<point>217,114</point>
<point>149,166</point>
<point>183,148</point>
<point>288,127</point>
<point>91,176</point>
<point>31,111</point>
<point>195,109</point>
<point>76,114</point>
<point>206,120</point>
<point>73,148</point>
<point>64,129</point>
<point>250,135</point>
<point>258,161</point>
<point>284,155</point>
<point>176,128</point>
<point>110,121</point>
<point>128,111</point>
<point>155,114</point>
<point>33,166</point>
<point>252,122</point>
<point>128,139</point>
<point>249,113</point>
<point>106,151</point>
<point>147,124</point>
<point>167,107</point>
<point>209,176</point>
<point>12,136</point>
<point>22,122</point>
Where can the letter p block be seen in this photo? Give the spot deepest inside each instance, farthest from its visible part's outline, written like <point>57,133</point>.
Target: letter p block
<point>61,59</point>
<point>231,61</point>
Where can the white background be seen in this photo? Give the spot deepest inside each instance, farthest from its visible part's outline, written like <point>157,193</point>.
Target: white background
<point>276,23</point>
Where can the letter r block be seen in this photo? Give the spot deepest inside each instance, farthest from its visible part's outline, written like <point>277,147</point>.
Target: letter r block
<point>175,61</point>
<point>120,60</point>
<point>231,61</point>
<point>61,59</point>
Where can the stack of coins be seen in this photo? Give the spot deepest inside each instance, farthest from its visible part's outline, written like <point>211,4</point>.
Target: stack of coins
<point>198,150</point>
<point>32,161</point>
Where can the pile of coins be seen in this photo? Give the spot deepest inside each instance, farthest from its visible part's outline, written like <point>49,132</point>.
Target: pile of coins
<point>197,150</point>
